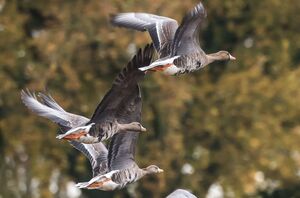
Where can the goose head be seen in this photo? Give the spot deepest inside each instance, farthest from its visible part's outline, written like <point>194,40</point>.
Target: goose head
<point>133,126</point>
<point>224,55</point>
<point>220,56</point>
<point>152,169</point>
<point>136,126</point>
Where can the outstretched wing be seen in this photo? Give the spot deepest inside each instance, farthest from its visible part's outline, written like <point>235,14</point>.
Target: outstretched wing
<point>121,150</point>
<point>50,102</point>
<point>96,153</point>
<point>161,29</point>
<point>125,83</point>
<point>180,193</point>
<point>186,39</point>
<point>53,111</point>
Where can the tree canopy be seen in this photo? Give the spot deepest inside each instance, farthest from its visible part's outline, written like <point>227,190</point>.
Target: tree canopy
<point>235,125</point>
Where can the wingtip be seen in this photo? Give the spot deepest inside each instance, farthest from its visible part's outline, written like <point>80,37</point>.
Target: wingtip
<point>26,94</point>
<point>198,10</point>
<point>141,59</point>
<point>112,18</point>
<point>201,9</point>
<point>145,55</point>
<point>23,94</point>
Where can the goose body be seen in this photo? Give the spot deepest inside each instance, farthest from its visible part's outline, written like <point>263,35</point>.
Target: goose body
<point>97,132</point>
<point>178,46</point>
<point>116,179</point>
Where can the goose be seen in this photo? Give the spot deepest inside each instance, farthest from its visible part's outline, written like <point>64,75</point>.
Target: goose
<point>49,108</point>
<point>103,123</point>
<point>178,46</point>
<point>181,193</point>
<point>112,169</point>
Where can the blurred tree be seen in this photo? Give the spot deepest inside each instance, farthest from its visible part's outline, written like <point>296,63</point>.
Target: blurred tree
<point>236,125</point>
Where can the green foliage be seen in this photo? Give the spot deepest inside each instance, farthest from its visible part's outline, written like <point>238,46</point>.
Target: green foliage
<point>237,124</point>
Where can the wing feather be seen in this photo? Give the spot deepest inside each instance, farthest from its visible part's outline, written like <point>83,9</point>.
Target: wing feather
<point>96,153</point>
<point>161,29</point>
<point>123,85</point>
<point>59,117</point>
<point>186,39</point>
<point>121,150</point>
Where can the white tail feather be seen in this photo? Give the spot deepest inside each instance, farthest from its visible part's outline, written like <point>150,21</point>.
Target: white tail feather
<point>82,184</point>
<point>76,130</point>
<point>94,179</point>
<point>159,62</point>
<point>108,184</point>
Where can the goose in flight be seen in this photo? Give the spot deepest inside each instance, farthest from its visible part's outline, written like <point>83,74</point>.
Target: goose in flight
<point>178,46</point>
<point>104,123</point>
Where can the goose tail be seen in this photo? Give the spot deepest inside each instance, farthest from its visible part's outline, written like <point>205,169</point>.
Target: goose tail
<point>75,133</point>
<point>159,63</point>
<point>82,184</point>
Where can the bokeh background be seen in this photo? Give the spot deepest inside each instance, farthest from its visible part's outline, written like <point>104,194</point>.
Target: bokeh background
<point>229,130</point>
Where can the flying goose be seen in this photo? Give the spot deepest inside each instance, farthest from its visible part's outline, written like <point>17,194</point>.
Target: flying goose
<point>104,123</point>
<point>123,169</point>
<point>96,153</point>
<point>178,46</point>
<point>180,193</point>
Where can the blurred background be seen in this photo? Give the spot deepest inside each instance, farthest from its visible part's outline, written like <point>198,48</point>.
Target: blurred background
<point>229,130</point>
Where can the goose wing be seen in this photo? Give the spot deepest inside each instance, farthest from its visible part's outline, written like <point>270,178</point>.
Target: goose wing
<point>49,108</point>
<point>97,155</point>
<point>161,29</point>
<point>116,100</point>
<point>186,39</point>
<point>121,149</point>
